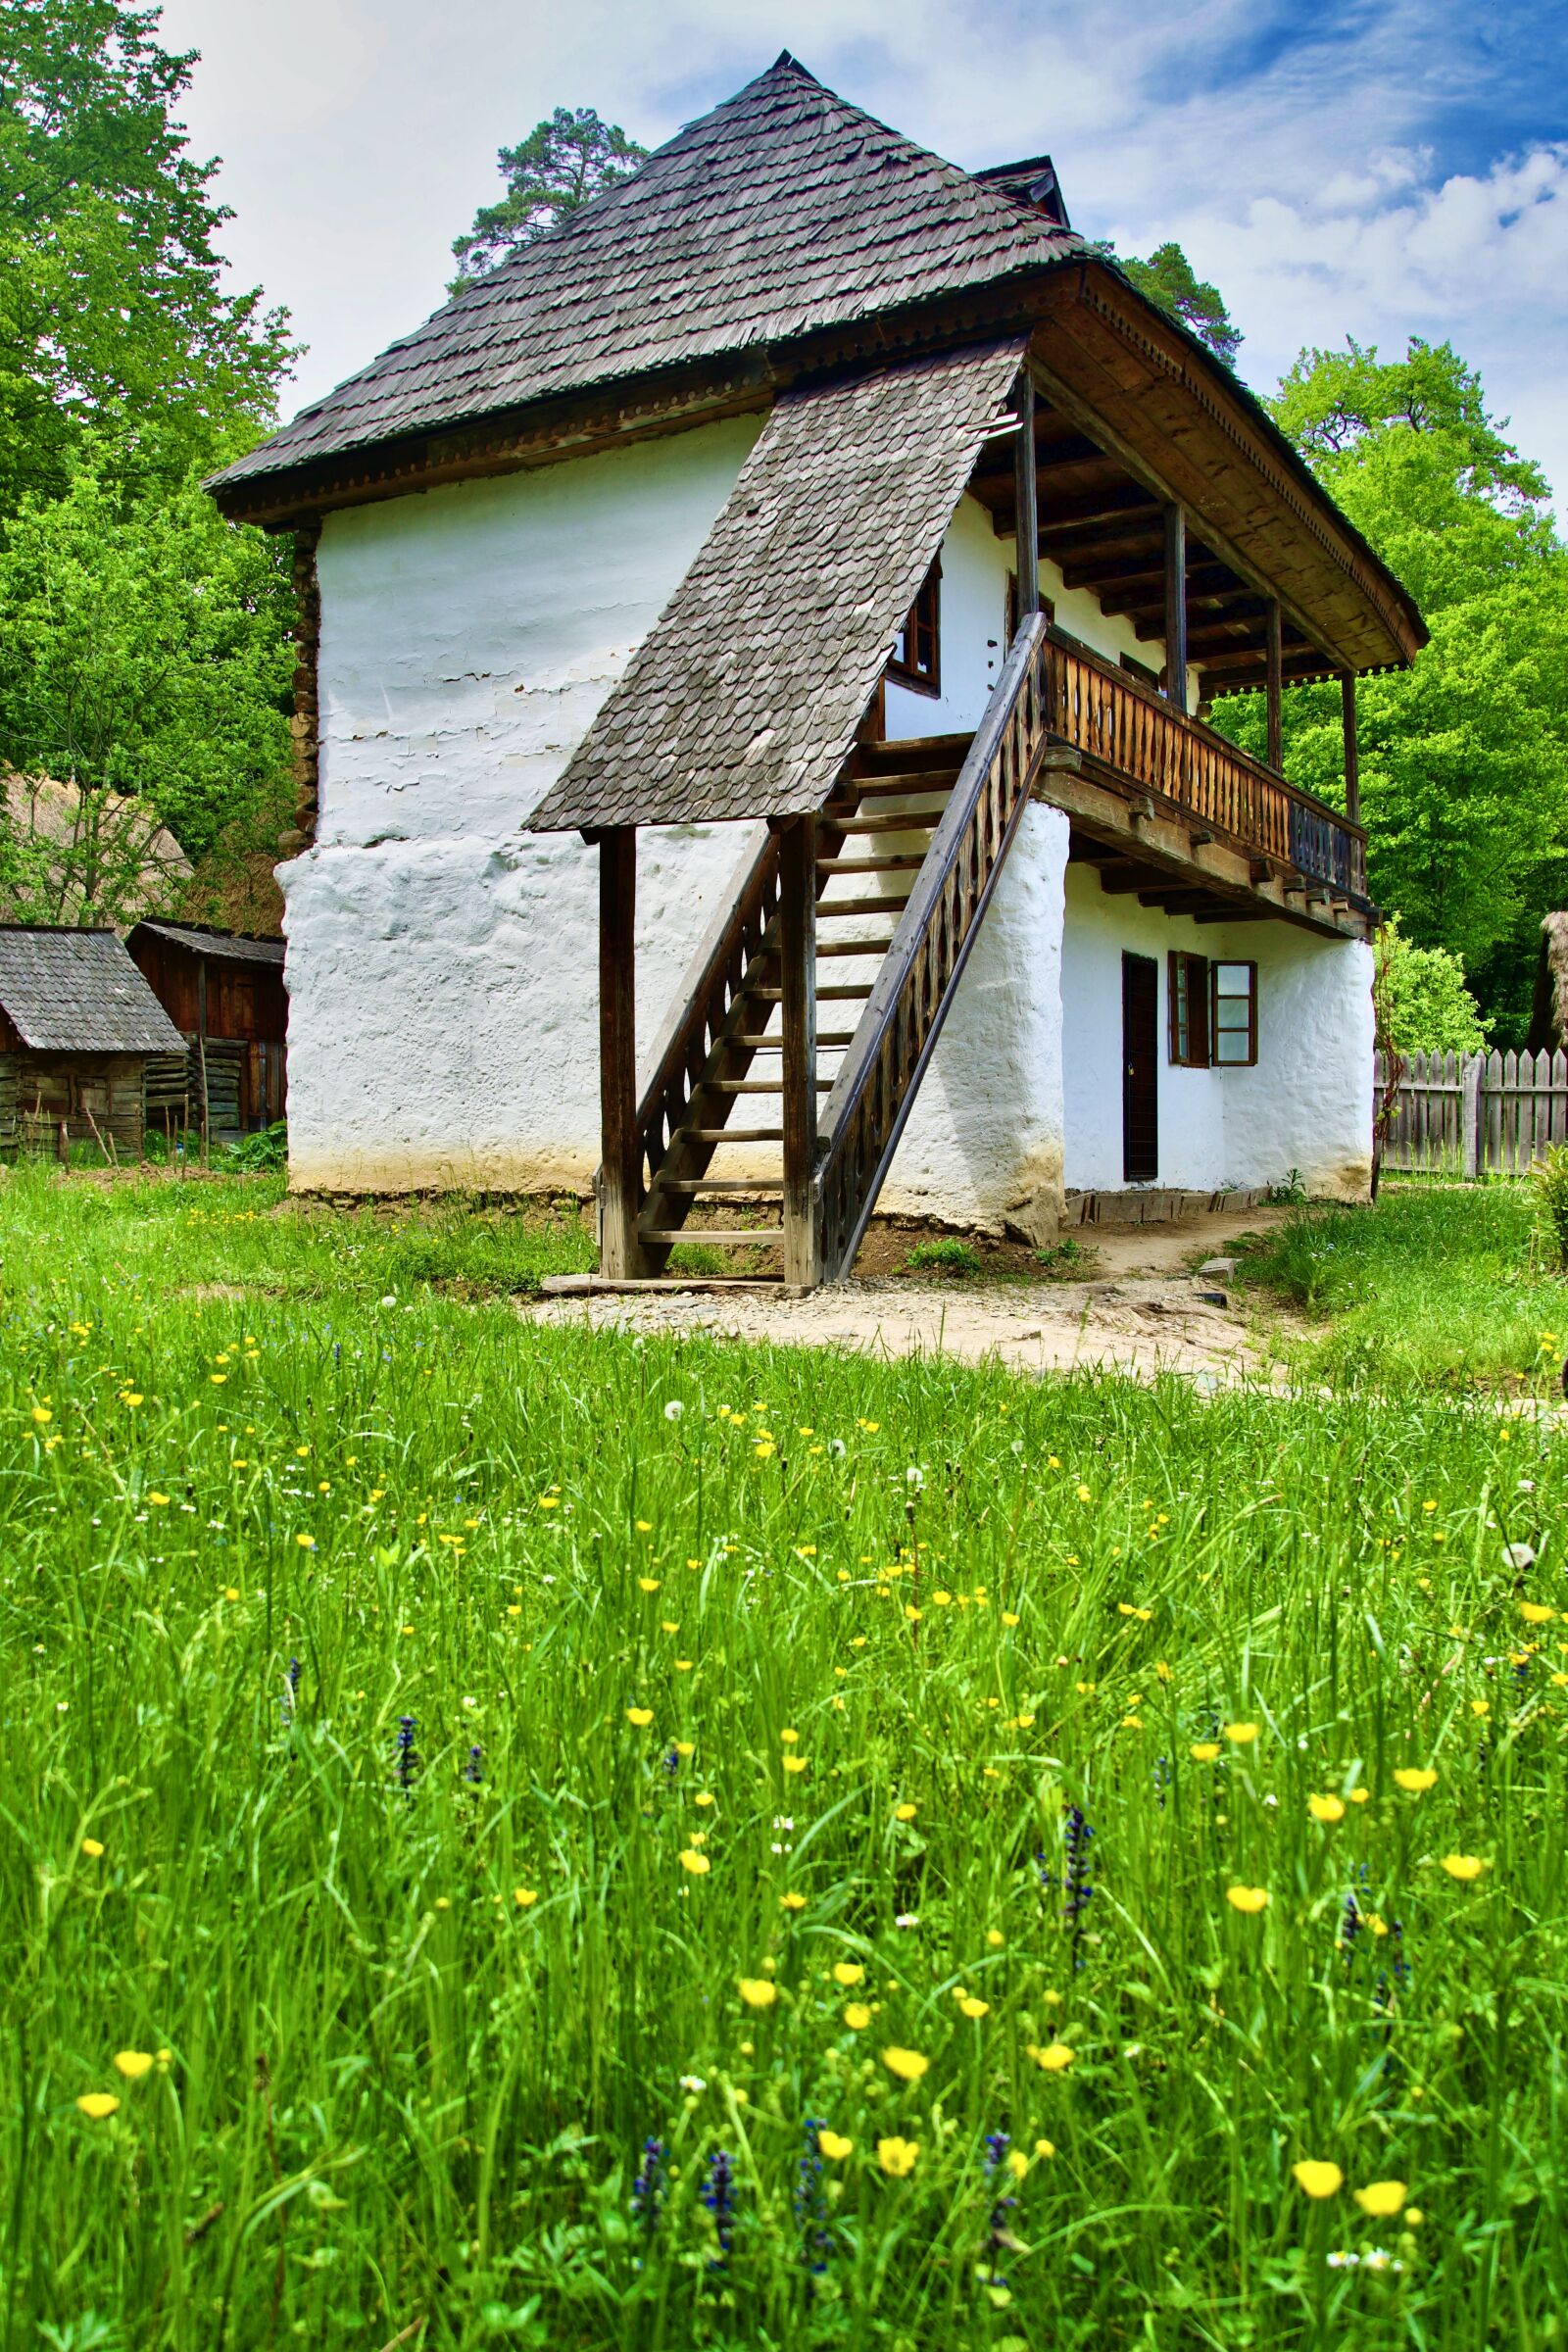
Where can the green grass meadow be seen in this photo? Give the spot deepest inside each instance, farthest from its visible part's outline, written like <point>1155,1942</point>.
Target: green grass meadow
<point>512,1836</point>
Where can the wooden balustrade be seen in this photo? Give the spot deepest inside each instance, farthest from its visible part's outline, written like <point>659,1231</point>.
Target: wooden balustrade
<point>1125,727</point>
<point>864,1115</point>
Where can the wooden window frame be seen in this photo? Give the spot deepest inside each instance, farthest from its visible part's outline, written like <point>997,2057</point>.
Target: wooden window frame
<point>919,667</point>
<point>1233,1062</point>
<point>1189,992</point>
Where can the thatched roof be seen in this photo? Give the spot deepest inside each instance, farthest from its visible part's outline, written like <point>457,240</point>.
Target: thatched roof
<point>95,853</point>
<point>1549,1018</point>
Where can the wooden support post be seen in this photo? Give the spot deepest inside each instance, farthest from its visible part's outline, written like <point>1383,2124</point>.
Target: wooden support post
<point>1176,607</point>
<point>1352,756</point>
<point>1275,672</point>
<point>1026,500</point>
<point>201,1058</point>
<point>620,1254</point>
<point>797,924</point>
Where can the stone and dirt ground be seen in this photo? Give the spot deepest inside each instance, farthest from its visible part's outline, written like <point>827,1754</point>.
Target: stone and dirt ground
<point>1139,1306</point>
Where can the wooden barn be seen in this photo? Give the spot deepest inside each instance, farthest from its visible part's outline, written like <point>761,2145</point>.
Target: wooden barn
<point>223,991</point>
<point>78,1026</point>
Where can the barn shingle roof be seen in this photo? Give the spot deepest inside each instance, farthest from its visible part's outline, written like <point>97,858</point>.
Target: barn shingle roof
<point>744,697</point>
<point>784,211</point>
<point>221,947</point>
<point>78,992</point>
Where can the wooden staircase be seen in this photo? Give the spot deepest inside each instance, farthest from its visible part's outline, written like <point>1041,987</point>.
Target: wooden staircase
<point>863,918</point>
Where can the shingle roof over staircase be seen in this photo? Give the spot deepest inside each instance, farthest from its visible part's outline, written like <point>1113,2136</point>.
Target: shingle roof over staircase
<point>784,211</point>
<point>744,697</point>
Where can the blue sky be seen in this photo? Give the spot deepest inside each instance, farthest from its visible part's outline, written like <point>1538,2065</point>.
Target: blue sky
<point>1370,167</point>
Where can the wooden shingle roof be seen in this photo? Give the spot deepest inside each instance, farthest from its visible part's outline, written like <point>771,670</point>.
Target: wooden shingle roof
<point>783,212</point>
<point>744,697</point>
<point>78,992</point>
<point>220,947</point>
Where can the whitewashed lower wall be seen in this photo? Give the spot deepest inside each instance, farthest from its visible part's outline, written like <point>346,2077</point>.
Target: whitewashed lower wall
<point>1303,1105</point>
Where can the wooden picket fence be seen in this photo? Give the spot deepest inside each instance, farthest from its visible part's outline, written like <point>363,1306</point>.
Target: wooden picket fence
<point>1459,1115</point>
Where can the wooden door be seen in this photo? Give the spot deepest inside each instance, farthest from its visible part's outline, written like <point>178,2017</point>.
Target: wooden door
<point>1140,1069</point>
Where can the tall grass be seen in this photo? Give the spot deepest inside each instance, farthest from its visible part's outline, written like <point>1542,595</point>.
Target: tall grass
<point>1439,1285</point>
<point>370,1668</point>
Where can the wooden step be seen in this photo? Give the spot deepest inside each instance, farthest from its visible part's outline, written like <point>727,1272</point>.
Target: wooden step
<point>916,822</point>
<point>884,787</point>
<point>693,1185</point>
<point>759,1237</point>
<point>752,1086</point>
<point>906,861</point>
<point>853,947</point>
<point>726,1135</point>
<point>842,906</point>
<point>922,752</point>
<point>844,992</point>
<point>776,1045</point>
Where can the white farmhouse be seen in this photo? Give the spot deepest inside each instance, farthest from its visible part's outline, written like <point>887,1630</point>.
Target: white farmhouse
<point>752,717</point>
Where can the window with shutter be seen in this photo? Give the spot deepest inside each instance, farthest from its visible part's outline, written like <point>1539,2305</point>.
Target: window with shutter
<point>916,659</point>
<point>1188,990</point>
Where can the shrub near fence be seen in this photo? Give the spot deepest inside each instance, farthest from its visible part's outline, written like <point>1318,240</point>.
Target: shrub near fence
<point>1460,1113</point>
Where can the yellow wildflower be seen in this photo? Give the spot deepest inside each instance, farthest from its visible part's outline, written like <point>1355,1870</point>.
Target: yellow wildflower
<point>1246,1899</point>
<point>1326,1808</point>
<point>972,2006</point>
<point>907,2065</point>
<point>1414,1779</point>
<point>1316,2177</point>
<point>1204,1751</point>
<point>897,2156</point>
<point>792,1902</point>
<point>834,2146</point>
<point>848,1973</point>
<point>698,1864</point>
<point>1241,1734</point>
<point>857,2017</point>
<point>1382,2199</point>
<point>92,1847</point>
<point>757,1993</point>
<point>1463,1866</point>
<point>1054,2058</point>
<point>98,2104</point>
<point>640,1716</point>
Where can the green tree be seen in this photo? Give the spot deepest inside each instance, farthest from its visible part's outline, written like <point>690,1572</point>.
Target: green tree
<point>145,651</point>
<point>563,163</point>
<point>1464,757</point>
<point>1167,278</point>
<point>1423,1004</point>
<point>112,313</point>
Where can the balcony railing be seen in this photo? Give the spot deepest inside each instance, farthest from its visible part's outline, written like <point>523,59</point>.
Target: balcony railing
<point>1126,727</point>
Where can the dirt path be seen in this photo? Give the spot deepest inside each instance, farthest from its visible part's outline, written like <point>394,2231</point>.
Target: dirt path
<point>1139,1311</point>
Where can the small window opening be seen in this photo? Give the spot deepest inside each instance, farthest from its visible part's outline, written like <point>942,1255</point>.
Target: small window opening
<point>917,649</point>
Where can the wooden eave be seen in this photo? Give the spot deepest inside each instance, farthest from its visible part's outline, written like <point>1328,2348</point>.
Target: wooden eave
<point>1132,414</point>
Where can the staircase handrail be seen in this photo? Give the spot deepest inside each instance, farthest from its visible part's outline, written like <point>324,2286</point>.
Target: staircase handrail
<point>909,999</point>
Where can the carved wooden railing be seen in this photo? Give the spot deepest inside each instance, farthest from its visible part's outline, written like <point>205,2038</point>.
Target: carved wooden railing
<point>701,1038</point>
<point>1126,727</point>
<point>864,1115</point>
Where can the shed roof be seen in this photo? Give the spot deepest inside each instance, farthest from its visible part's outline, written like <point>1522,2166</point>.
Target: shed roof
<point>78,992</point>
<point>744,697</point>
<point>784,211</point>
<point>221,947</point>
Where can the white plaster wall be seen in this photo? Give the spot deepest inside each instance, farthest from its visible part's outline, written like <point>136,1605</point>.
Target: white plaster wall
<point>975,564</point>
<point>1307,1102</point>
<point>443,964</point>
<point>984,1142</point>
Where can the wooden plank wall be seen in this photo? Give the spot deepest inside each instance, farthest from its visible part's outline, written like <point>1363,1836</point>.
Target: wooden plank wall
<point>1462,1114</point>
<point>97,1099</point>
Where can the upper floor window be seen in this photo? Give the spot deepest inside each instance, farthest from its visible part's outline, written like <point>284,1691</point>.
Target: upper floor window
<point>917,649</point>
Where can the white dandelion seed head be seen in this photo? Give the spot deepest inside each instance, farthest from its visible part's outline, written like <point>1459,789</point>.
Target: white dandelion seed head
<point>837,1448</point>
<point>914,1476</point>
<point>673,1409</point>
<point>1519,1555</point>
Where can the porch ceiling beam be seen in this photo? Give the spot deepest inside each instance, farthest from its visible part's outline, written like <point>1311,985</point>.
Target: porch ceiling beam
<point>1068,403</point>
<point>1139,592</point>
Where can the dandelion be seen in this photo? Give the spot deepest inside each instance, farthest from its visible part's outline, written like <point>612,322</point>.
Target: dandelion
<point>848,1973</point>
<point>306,1542</point>
<point>1463,1866</point>
<point>698,1864</point>
<point>1246,1899</point>
<point>1382,2199</point>
<point>1518,1555</point>
<point>641,1717</point>
<point>1241,1734</point>
<point>758,1992</point>
<point>1317,2177</point>
<point>971,2006</point>
<point>792,1902</point>
<point>647,1584</point>
<point>133,2063</point>
<point>907,2065</point>
<point>1054,2058</point>
<point>1326,1808</point>
<point>794,1763</point>
<point>833,2145</point>
<point>526,1897</point>
<point>857,2016</point>
<point>897,2156</point>
<point>905,1812</point>
<point>673,1409</point>
<point>1535,1612</point>
<point>98,2105</point>
<point>1415,1780</point>
<point>1204,1751</point>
